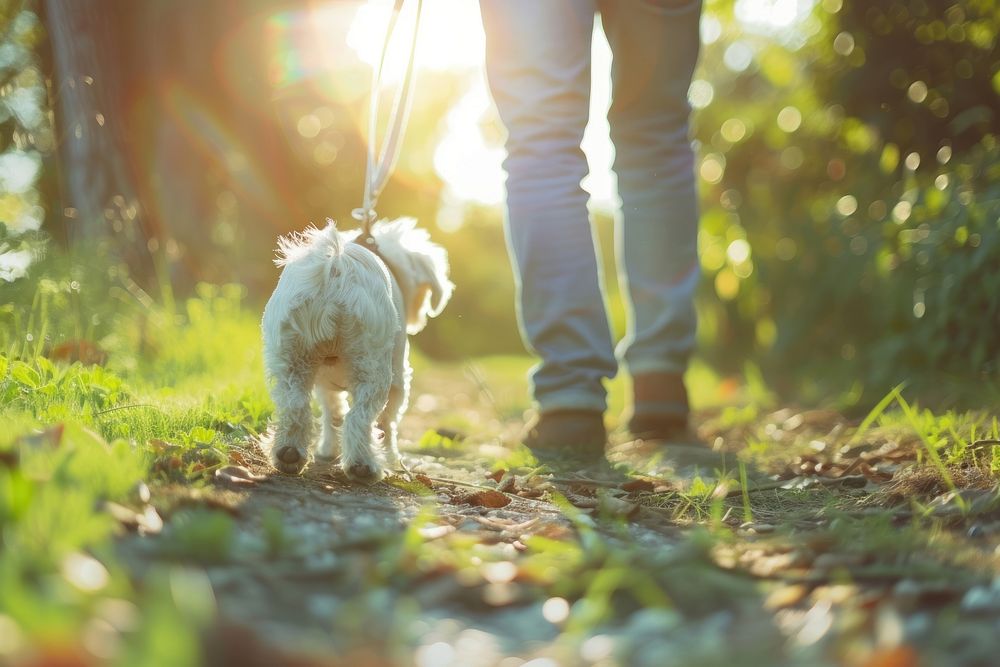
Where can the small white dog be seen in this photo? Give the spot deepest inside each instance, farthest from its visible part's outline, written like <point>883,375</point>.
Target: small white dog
<point>337,322</point>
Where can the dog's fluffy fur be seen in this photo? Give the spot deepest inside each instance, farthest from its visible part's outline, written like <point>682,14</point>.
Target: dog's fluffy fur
<point>337,323</point>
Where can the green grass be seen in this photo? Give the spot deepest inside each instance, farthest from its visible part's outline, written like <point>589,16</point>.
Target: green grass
<point>76,437</point>
<point>185,381</point>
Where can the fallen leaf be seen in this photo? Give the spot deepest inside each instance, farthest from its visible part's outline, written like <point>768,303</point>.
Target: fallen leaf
<point>554,531</point>
<point>237,457</point>
<point>86,352</point>
<point>899,656</point>
<point>239,475</point>
<point>580,501</point>
<point>147,522</point>
<point>424,479</point>
<point>637,484</point>
<point>491,499</point>
<point>497,475</point>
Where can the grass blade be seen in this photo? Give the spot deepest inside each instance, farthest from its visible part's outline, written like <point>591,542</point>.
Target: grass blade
<point>877,411</point>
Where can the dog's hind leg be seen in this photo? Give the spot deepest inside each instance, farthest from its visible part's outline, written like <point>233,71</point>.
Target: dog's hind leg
<point>388,422</point>
<point>399,396</point>
<point>334,404</point>
<point>372,376</point>
<point>294,430</point>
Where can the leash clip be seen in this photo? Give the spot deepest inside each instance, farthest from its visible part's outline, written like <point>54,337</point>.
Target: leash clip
<point>367,217</point>
<point>364,215</point>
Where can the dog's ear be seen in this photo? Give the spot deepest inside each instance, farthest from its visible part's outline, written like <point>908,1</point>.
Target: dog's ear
<point>430,290</point>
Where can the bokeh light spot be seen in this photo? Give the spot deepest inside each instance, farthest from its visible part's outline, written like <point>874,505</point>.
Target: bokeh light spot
<point>325,153</point>
<point>309,126</point>
<point>738,56</point>
<point>836,169</point>
<point>738,251</point>
<point>785,249</point>
<point>597,648</point>
<point>843,43</point>
<point>859,245</point>
<point>438,654</point>
<point>727,285</point>
<point>700,93</point>
<point>733,130</point>
<point>711,28</point>
<point>555,610</point>
<point>713,167</point>
<point>85,572</point>
<point>917,91</point>
<point>792,158</point>
<point>789,119</point>
<point>901,211</point>
<point>847,205</point>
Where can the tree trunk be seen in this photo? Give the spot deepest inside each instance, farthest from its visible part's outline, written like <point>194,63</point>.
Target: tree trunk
<point>92,72</point>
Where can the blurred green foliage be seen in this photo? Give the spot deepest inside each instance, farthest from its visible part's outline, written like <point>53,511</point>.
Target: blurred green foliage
<point>849,174</point>
<point>25,136</point>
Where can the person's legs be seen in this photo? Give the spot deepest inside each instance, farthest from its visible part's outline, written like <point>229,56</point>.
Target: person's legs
<point>538,65</point>
<point>655,46</point>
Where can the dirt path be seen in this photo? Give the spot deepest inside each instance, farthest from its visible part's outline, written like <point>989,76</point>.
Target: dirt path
<point>459,563</point>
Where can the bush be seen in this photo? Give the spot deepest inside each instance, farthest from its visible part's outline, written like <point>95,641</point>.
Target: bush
<point>851,211</point>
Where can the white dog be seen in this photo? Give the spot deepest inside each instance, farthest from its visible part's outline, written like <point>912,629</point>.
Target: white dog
<point>337,321</point>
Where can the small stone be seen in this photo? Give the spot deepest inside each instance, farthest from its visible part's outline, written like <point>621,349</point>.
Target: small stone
<point>981,600</point>
<point>142,493</point>
<point>786,596</point>
<point>918,625</point>
<point>906,594</point>
<point>763,527</point>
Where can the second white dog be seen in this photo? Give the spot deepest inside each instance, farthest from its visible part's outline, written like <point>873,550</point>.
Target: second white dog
<point>337,323</point>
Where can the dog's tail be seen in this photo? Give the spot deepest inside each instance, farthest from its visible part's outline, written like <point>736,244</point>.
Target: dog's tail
<point>309,259</point>
<point>324,245</point>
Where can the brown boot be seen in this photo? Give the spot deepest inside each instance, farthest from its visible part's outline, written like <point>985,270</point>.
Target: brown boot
<point>577,433</point>
<point>660,408</point>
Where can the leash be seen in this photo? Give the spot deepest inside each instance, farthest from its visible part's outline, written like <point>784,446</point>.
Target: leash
<point>380,163</point>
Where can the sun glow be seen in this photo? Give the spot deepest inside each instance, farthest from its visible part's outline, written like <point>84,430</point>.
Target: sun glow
<point>468,158</point>
<point>450,37</point>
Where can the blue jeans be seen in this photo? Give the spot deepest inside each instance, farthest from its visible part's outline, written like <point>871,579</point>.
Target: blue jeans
<point>538,66</point>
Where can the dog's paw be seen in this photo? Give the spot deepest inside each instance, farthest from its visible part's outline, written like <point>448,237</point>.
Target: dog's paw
<point>289,460</point>
<point>393,461</point>
<point>367,472</point>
